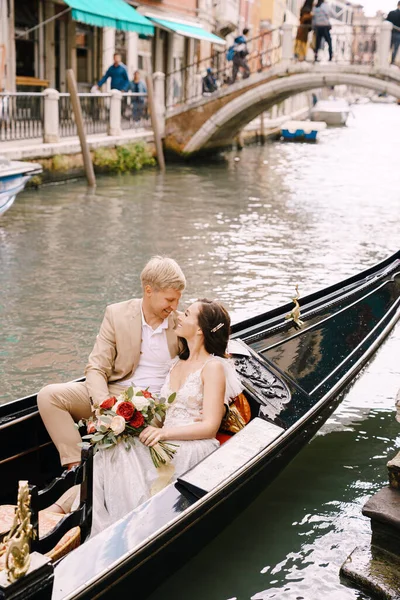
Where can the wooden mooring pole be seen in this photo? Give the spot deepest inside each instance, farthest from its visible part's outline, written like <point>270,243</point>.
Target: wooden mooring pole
<point>76,107</point>
<point>154,122</point>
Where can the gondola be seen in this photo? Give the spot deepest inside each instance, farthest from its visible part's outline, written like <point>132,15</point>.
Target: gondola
<point>293,372</point>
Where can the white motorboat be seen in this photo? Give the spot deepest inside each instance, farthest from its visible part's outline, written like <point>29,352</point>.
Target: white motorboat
<point>13,177</point>
<point>333,112</point>
<point>383,99</point>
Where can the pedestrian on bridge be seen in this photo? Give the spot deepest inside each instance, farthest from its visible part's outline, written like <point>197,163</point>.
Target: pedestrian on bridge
<point>209,82</point>
<point>303,30</point>
<point>239,58</point>
<point>394,18</point>
<point>322,25</point>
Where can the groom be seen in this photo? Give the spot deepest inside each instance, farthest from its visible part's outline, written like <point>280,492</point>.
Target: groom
<point>135,345</point>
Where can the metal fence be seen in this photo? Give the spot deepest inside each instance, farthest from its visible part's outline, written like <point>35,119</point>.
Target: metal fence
<point>134,111</point>
<point>189,83</point>
<point>21,116</point>
<point>350,44</point>
<point>95,114</point>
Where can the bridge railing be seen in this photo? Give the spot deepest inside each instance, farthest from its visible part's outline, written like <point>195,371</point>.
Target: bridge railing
<point>187,84</point>
<point>352,44</point>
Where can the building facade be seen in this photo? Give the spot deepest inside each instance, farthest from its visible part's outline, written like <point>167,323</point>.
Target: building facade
<point>40,40</point>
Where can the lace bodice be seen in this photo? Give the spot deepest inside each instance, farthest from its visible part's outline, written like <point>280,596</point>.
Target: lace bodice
<point>124,480</point>
<point>188,403</point>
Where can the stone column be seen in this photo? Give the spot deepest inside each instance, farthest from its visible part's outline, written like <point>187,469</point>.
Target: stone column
<point>384,42</point>
<point>49,44</point>
<point>132,41</point>
<point>198,79</point>
<point>114,126</point>
<point>108,52</point>
<point>7,46</point>
<point>190,84</point>
<point>40,67</point>
<point>71,44</point>
<point>287,43</point>
<point>170,67</point>
<point>158,51</point>
<point>51,130</point>
<point>159,100</point>
<point>63,57</point>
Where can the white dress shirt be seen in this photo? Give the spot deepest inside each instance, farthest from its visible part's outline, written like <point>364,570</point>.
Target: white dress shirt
<point>155,359</point>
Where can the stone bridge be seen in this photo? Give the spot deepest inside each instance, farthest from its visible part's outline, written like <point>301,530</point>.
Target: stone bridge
<point>214,121</point>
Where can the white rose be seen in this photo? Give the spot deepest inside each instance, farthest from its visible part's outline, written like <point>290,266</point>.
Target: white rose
<point>117,424</point>
<point>141,402</point>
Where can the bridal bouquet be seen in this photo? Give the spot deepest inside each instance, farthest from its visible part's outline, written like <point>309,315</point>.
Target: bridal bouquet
<point>120,420</point>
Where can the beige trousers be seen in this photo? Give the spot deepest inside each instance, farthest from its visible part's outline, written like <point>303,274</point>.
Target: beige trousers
<point>61,405</point>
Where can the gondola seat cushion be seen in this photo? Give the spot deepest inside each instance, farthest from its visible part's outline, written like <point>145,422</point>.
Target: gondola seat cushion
<point>223,437</point>
<point>47,522</point>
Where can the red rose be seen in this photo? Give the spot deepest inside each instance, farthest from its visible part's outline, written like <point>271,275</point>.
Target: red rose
<point>147,394</point>
<point>126,410</point>
<point>109,403</point>
<point>137,421</point>
<point>91,427</point>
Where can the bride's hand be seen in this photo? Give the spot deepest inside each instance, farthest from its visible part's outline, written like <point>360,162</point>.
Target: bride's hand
<point>151,435</point>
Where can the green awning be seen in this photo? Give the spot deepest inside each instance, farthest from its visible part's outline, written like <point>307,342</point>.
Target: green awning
<point>110,13</point>
<point>191,31</point>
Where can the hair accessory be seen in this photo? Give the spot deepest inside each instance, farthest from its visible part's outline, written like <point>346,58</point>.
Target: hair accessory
<point>214,329</point>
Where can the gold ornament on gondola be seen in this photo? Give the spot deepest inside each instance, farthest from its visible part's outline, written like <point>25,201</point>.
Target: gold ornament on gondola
<point>16,544</point>
<point>294,314</point>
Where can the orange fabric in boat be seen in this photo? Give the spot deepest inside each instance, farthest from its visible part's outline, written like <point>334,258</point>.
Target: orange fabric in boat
<point>243,406</point>
<point>223,437</point>
<point>238,415</point>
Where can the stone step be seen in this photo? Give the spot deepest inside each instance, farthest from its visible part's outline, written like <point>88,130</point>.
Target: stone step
<point>393,467</point>
<point>374,571</point>
<point>384,511</point>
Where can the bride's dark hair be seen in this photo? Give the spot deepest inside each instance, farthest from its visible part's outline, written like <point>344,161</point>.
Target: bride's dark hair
<point>215,323</point>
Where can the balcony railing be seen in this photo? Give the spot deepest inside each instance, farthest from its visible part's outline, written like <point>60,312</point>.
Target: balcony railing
<point>21,116</point>
<point>134,111</point>
<point>25,116</point>
<point>95,113</point>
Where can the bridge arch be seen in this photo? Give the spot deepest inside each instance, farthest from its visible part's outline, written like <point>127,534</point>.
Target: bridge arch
<point>222,126</point>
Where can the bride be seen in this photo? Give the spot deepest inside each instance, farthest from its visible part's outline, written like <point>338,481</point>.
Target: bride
<point>203,380</point>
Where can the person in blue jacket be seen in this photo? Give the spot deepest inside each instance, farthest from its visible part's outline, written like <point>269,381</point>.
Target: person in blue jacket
<point>119,75</point>
<point>139,103</point>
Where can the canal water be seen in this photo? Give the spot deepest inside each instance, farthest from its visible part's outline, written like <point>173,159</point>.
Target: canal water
<point>246,228</point>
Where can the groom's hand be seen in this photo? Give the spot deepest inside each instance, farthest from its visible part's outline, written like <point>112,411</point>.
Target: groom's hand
<point>151,436</point>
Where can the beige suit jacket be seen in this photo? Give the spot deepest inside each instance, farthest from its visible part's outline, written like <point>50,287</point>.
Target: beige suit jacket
<point>116,353</point>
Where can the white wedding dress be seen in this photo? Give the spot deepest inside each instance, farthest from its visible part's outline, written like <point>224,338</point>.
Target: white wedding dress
<point>123,479</point>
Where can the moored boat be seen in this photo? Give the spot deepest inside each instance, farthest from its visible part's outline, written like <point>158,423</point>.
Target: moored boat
<point>14,175</point>
<point>383,99</point>
<point>293,371</point>
<point>332,112</point>
<point>302,130</point>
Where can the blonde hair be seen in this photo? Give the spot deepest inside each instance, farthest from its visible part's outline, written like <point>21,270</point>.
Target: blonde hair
<point>161,273</point>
